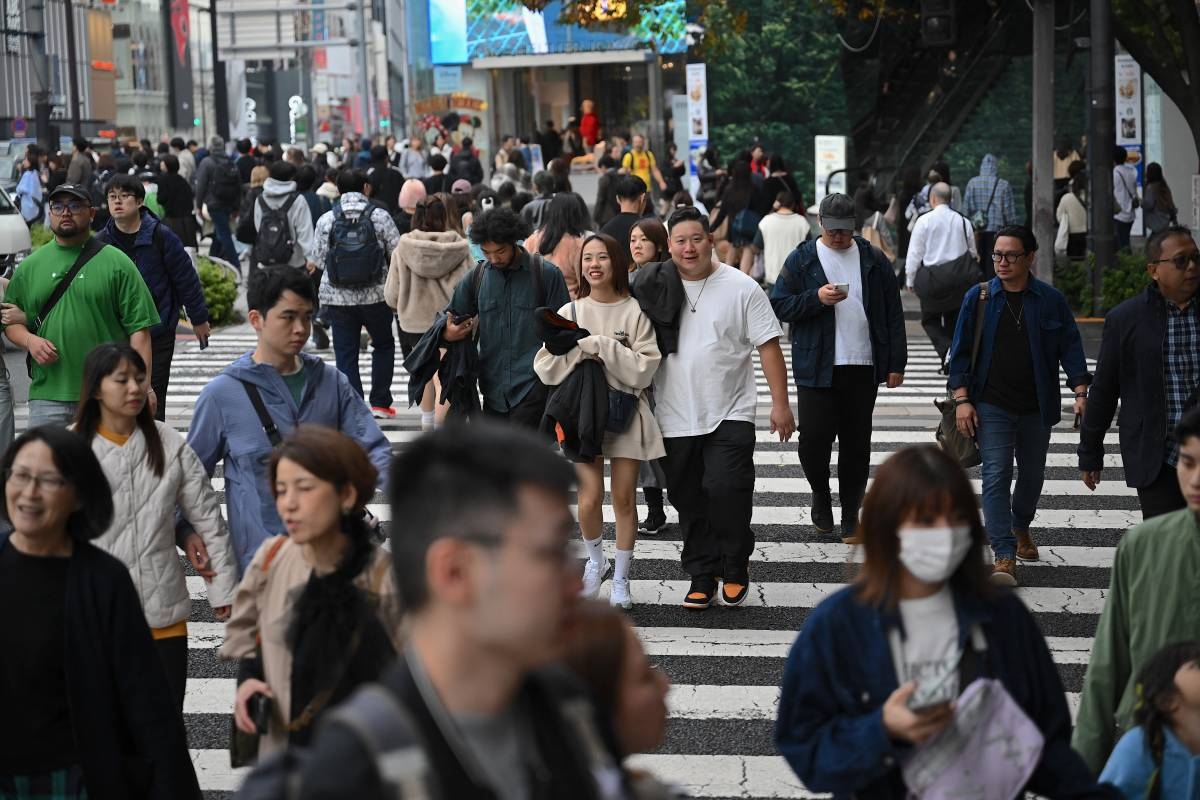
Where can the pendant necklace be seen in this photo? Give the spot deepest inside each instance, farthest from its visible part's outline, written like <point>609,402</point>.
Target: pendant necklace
<point>1018,318</point>
<point>692,305</point>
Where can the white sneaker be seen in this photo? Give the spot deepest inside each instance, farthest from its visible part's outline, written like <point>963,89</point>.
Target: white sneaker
<point>594,575</point>
<point>620,593</point>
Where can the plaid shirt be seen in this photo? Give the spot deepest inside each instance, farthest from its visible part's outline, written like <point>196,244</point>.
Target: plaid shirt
<point>1181,362</point>
<point>1003,208</point>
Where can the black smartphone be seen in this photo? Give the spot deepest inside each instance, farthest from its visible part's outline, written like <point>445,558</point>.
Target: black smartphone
<point>204,343</point>
<point>259,707</point>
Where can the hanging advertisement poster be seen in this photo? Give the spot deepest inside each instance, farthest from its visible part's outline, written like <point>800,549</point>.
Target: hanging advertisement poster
<point>697,115</point>
<point>1130,132</point>
<point>829,157</point>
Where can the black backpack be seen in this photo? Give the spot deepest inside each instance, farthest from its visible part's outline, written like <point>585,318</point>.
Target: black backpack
<point>226,184</point>
<point>275,241</point>
<point>355,258</point>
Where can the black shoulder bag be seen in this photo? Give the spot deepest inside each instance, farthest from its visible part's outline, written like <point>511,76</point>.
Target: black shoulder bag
<point>264,416</point>
<point>91,249</point>
<point>964,448</point>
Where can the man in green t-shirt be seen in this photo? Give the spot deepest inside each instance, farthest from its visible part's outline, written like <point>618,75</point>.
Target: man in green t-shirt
<point>107,301</point>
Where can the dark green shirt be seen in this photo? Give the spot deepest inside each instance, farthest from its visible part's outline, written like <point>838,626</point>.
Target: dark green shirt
<point>295,384</point>
<point>508,339</point>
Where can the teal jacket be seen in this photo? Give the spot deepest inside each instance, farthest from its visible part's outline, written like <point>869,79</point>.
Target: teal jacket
<point>1152,601</point>
<point>508,338</point>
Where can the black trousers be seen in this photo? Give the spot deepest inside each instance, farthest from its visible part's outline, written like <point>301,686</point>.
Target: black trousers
<point>844,411</point>
<point>711,482</point>
<point>174,654</point>
<point>1163,496</point>
<point>162,351</point>
<point>528,413</point>
<point>939,327</point>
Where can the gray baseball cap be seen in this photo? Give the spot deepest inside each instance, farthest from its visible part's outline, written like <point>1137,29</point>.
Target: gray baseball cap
<point>837,212</point>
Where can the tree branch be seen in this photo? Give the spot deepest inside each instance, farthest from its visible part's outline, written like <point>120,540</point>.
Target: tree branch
<point>1155,20</point>
<point>1187,24</point>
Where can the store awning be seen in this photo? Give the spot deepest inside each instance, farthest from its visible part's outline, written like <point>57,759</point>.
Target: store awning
<point>564,59</point>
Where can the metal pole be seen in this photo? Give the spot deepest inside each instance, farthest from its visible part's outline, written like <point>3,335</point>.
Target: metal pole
<point>73,73</point>
<point>654,136</point>
<point>41,72</point>
<point>1101,139</point>
<point>220,89</point>
<point>363,71</point>
<point>1043,136</point>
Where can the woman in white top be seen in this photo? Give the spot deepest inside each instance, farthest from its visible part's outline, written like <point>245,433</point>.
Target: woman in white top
<point>152,470</point>
<point>622,339</point>
<point>1071,240</point>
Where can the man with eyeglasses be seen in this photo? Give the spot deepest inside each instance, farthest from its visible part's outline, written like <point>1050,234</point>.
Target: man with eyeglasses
<point>106,300</point>
<point>840,296</point>
<point>1150,362</point>
<point>1009,399</point>
<point>165,267</point>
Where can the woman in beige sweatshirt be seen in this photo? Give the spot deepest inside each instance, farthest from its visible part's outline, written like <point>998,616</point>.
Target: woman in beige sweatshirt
<point>622,339</point>
<point>426,265</point>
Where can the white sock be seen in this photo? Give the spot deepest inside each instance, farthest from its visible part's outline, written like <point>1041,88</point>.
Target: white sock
<point>426,418</point>
<point>595,549</point>
<point>624,559</point>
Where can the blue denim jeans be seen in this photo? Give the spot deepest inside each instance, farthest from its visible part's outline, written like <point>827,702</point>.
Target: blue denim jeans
<point>1003,435</point>
<point>223,237</point>
<point>51,412</point>
<point>347,323</point>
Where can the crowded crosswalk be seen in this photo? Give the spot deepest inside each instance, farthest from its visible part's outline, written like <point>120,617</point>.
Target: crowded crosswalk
<point>725,664</point>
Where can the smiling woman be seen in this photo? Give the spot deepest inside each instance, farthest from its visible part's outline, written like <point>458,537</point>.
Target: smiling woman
<point>93,718</point>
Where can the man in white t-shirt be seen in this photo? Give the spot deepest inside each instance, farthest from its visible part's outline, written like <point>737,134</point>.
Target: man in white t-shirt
<point>779,234</point>
<point>840,297</point>
<point>706,402</point>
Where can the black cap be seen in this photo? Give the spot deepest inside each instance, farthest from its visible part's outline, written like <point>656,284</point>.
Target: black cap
<point>74,190</point>
<point>837,212</point>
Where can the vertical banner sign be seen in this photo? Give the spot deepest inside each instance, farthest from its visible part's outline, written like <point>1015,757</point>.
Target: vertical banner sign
<point>179,40</point>
<point>1130,133</point>
<point>697,114</point>
<point>829,156</point>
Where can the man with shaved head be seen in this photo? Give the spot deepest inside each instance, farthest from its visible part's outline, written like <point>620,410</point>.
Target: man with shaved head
<point>942,265</point>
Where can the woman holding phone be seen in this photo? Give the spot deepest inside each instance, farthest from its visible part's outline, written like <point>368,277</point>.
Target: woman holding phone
<point>623,341</point>
<point>880,667</point>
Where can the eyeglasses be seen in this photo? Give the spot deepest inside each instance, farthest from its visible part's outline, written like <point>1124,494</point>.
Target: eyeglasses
<point>63,208</point>
<point>122,196</point>
<point>1011,258</point>
<point>20,479</point>
<point>1181,260</point>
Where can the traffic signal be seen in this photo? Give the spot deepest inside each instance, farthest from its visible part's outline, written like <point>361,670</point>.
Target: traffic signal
<point>196,121</point>
<point>939,23</point>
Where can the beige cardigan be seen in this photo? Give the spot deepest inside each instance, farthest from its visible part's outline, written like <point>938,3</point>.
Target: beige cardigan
<point>262,610</point>
<point>623,340</point>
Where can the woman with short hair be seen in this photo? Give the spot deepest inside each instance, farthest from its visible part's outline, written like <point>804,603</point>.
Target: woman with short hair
<point>88,711</point>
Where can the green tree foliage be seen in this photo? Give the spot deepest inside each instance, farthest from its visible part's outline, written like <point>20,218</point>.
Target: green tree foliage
<point>779,82</point>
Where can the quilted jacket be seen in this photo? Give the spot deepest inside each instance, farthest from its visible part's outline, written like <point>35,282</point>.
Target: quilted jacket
<point>142,533</point>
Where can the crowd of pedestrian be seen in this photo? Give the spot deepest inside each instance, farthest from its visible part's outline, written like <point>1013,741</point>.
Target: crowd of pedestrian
<point>469,657</point>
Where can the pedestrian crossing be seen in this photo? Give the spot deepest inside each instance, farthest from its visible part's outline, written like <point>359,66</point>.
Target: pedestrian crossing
<point>726,664</point>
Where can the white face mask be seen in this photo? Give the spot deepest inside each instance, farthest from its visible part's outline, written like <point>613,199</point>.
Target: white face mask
<point>933,554</point>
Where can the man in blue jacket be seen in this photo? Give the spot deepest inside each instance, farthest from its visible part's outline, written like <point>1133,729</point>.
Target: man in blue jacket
<point>1150,361</point>
<point>840,296</point>
<point>165,267</point>
<point>296,388</point>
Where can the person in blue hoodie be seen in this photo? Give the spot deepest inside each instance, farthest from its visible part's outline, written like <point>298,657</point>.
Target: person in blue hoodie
<point>167,270</point>
<point>1161,756</point>
<point>295,388</point>
<point>879,666</point>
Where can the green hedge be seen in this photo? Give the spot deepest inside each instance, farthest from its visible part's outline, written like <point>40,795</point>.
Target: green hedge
<point>39,235</point>
<point>220,291</point>
<point>1125,279</point>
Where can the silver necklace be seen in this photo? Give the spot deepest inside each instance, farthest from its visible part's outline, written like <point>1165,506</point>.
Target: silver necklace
<point>699,294</point>
<point>1018,318</point>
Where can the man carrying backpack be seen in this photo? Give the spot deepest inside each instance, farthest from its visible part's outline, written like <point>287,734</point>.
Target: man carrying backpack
<point>282,219</point>
<point>219,187</point>
<point>353,244</point>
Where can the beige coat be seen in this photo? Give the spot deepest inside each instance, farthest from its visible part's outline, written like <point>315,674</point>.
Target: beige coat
<point>425,269</point>
<point>623,341</point>
<point>565,256</point>
<point>262,609</point>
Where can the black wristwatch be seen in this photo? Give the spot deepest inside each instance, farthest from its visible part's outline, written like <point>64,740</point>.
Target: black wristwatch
<point>961,401</point>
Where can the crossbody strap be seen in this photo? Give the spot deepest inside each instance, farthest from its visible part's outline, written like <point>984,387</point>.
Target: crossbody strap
<point>91,249</point>
<point>980,310</point>
<point>988,213</point>
<point>264,416</point>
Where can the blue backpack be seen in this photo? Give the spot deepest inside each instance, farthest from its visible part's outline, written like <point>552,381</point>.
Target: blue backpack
<point>356,259</point>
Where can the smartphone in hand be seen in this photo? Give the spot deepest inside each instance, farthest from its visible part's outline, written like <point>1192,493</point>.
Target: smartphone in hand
<point>844,288</point>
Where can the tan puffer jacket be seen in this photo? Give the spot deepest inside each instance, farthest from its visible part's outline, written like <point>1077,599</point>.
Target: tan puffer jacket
<point>142,533</point>
<point>425,269</point>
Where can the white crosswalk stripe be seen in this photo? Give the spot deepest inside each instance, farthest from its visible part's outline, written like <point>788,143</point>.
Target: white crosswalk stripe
<point>725,664</point>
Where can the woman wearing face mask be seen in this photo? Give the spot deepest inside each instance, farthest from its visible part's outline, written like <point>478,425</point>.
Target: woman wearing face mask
<point>317,613</point>
<point>880,667</point>
<point>629,695</point>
